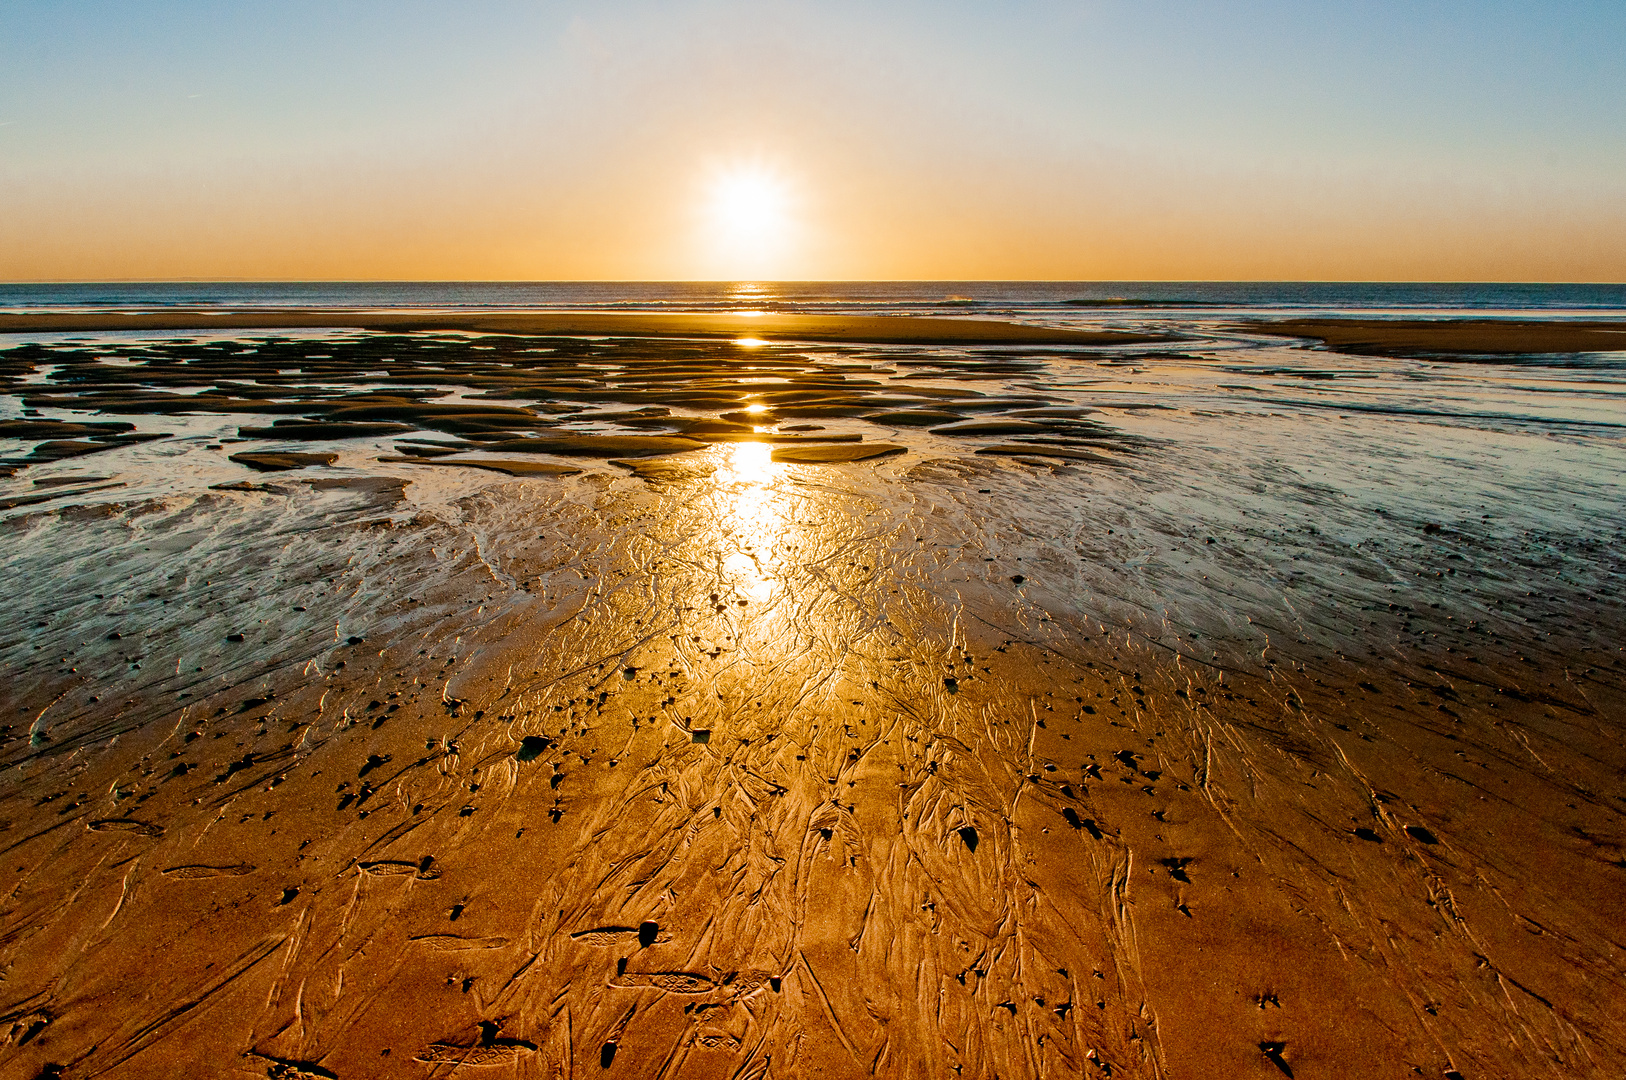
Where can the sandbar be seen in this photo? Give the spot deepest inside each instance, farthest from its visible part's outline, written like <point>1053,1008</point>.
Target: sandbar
<point>512,468</point>
<point>281,462</point>
<point>831,453</point>
<point>1384,337</point>
<point>866,329</point>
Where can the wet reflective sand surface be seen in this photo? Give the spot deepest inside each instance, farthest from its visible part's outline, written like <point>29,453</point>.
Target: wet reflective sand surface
<point>1195,709</point>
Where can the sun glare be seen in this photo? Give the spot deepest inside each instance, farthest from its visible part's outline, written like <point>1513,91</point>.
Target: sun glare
<point>758,519</point>
<point>749,220</point>
<point>750,203</point>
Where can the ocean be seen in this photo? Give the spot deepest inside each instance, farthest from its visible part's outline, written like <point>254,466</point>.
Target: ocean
<point>1049,299</point>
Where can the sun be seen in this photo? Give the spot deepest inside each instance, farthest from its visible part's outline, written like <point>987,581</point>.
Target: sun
<point>750,219</point>
<point>750,203</point>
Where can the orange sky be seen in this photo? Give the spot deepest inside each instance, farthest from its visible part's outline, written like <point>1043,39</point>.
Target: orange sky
<point>512,141</point>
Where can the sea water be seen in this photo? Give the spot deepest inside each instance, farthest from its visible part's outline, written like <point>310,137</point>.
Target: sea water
<point>1034,298</point>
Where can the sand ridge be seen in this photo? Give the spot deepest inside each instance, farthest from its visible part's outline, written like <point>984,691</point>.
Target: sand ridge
<point>874,329</point>
<point>1456,336</point>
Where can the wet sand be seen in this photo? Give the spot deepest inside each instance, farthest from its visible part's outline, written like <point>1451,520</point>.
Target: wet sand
<point>1241,712</point>
<point>1421,337</point>
<point>874,329</point>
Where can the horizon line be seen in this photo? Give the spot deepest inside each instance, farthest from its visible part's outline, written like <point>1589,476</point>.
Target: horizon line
<point>791,281</point>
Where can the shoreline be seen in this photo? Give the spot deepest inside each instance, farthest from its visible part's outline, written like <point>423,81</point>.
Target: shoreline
<point>855,329</point>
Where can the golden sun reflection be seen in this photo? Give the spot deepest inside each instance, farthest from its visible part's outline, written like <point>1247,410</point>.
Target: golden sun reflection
<point>756,518</point>
<point>750,342</point>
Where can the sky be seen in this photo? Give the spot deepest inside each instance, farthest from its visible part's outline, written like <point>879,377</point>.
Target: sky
<point>727,139</point>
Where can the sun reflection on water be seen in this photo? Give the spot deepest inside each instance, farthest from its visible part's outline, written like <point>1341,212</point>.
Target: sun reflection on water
<point>755,518</point>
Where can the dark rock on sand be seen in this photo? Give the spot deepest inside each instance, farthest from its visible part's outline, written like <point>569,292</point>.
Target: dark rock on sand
<point>530,748</point>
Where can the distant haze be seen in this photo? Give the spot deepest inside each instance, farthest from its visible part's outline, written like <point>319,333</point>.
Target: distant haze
<point>728,139</point>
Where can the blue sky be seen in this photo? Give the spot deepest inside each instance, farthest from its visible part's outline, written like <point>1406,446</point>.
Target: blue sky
<point>506,139</point>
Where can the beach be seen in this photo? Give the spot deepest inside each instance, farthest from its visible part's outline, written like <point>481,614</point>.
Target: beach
<point>1455,337</point>
<point>754,324</point>
<point>710,694</point>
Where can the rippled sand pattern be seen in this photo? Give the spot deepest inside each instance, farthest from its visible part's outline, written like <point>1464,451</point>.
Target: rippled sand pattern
<point>1235,711</point>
